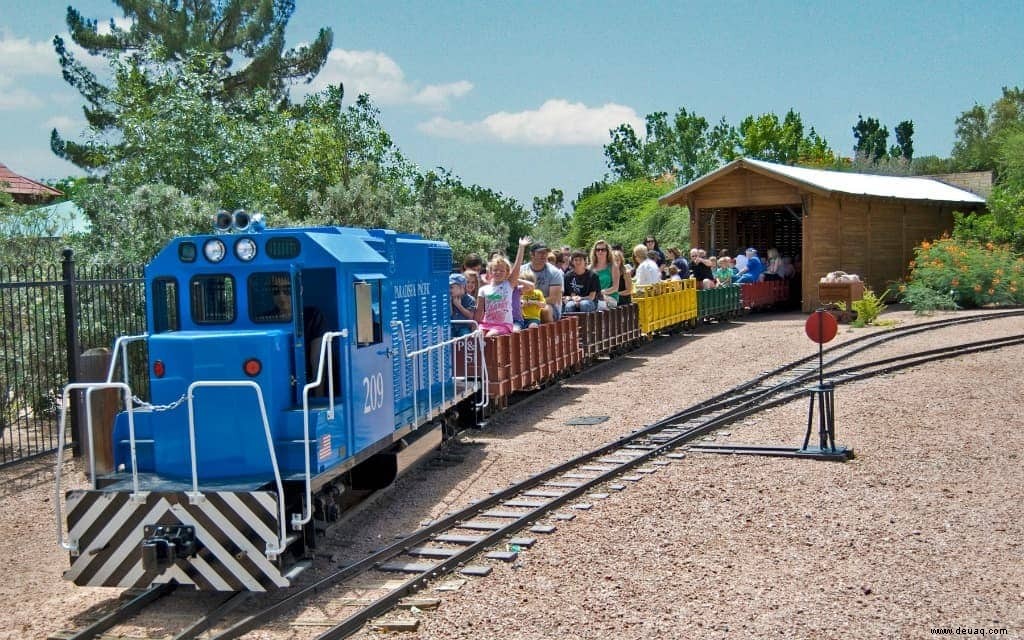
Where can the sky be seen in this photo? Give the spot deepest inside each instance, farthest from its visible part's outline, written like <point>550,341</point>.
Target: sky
<point>519,96</point>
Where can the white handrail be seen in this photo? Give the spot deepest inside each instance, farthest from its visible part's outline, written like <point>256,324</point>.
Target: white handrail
<point>121,348</point>
<point>326,354</point>
<point>195,496</point>
<point>72,545</point>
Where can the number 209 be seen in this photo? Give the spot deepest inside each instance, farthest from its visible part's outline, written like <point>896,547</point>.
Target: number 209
<point>373,386</point>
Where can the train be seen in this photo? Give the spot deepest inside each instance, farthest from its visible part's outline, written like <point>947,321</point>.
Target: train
<point>285,368</point>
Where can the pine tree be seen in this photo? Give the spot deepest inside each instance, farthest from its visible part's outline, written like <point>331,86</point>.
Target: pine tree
<point>245,38</point>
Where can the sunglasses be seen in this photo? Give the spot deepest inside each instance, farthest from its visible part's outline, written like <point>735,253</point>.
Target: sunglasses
<point>600,248</point>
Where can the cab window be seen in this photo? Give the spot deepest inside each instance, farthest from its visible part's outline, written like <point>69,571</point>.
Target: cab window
<point>166,316</point>
<point>212,298</point>
<point>270,297</point>
<point>367,297</point>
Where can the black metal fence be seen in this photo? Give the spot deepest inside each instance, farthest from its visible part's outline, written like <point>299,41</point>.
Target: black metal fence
<point>48,318</point>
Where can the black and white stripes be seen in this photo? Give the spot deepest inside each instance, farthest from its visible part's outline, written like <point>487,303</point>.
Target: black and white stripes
<point>233,530</point>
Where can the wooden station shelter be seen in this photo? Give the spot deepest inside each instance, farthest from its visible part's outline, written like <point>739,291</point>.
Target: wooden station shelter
<point>832,220</point>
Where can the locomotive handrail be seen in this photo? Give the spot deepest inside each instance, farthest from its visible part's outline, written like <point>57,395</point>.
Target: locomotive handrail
<point>485,398</point>
<point>88,387</point>
<point>326,354</point>
<point>428,351</point>
<point>121,348</point>
<point>195,496</point>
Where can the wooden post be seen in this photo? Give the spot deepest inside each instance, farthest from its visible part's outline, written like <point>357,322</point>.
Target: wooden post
<point>93,366</point>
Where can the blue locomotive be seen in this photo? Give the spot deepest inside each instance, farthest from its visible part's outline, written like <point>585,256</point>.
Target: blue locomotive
<point>284,367</point>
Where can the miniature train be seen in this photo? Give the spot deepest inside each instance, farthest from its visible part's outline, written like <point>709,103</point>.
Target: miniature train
<point>259,419</point>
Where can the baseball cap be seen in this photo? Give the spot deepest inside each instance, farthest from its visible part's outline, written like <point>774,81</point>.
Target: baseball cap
<point>538,246</point>
<point>457,278</point>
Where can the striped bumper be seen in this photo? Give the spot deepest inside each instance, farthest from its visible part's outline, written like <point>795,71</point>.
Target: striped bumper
<point>232,529</point>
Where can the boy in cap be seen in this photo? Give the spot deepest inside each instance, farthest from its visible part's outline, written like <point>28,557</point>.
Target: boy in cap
<point>463,304</point>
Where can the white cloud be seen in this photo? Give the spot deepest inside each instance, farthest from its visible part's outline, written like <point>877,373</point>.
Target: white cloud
<point>62,123</point>
<point>556,122</point>
<point>23,57</point>
<point>377,74</point>
<point>14,97</point>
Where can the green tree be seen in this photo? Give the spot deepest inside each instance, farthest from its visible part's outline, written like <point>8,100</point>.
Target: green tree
<point>904,147</point>
<point>252,152</point>
<point>618,213</point>
<point>980,131</point>
<point>871,139</point>
<point>688,147</point>
<point>551,223</point>
<point>244,40</point>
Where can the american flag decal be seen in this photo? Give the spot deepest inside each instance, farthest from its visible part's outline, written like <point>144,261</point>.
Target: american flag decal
<point>325,446</point>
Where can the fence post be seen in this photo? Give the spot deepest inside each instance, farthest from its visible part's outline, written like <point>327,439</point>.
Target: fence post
<point>71,339</point>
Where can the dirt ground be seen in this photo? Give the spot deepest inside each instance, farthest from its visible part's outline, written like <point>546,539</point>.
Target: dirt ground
<point>922,530</point>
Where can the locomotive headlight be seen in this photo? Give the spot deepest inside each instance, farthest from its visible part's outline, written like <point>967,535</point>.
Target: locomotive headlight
<point>214,250</point>
<point>245,249</point>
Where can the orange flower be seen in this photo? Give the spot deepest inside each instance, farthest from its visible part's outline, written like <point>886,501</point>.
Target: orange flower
<point>991,291</point>
<point>995,281</point>
<point>999,272</point>
<point>989,246</point>
<point>913,263</point>
<point>956,282</point>
<point>977,288</point>
<point>925,244</point>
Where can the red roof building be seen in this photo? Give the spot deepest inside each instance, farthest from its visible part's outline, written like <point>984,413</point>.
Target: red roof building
<point>25,190</point>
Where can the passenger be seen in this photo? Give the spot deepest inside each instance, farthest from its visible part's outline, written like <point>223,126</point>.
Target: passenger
<point>607,273</point>
<point>494,303</point>
<point>772,271</point>
<point>652,245</point>
<point>550,281</point>
<point>786,271</point>
<point>582,285</point>
<point>700,269</point>
<point>740,261</point>
<point>473,262</point>
<point>532,299</point>
<point>472,283</point>
<point>647,271</point>
<point>625,278</point>
<point>680,263</point>
<point>724,272</point>
<point>314,325</point>
<point>463,304</point>
<point>754,269</point>
<point>518,322</point>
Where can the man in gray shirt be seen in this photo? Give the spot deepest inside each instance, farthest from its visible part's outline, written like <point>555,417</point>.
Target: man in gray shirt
<point>550,281</point>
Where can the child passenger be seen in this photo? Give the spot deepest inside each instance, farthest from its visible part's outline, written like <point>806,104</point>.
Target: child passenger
<point>463,304</point>
<point>532,300</point>
<point>724,272</point>
<point>494,303</point>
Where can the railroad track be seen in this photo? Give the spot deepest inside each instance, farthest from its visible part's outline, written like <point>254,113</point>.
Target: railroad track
<point>514,517</point>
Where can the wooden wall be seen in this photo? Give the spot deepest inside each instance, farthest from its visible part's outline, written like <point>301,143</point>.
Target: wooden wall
<point>872,237</point>
<point>744,188</point>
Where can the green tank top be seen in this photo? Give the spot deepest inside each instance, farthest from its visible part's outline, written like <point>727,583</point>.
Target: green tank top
<point>604,276</point>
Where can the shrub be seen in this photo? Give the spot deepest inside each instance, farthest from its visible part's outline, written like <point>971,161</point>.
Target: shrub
<point>868,308</point>
<point>952,273</point>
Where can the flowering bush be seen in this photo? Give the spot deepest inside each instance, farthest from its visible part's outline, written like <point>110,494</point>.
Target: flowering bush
<point>951,273</point>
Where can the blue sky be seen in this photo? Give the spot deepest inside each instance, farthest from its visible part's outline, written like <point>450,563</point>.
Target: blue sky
<point>519,96</point>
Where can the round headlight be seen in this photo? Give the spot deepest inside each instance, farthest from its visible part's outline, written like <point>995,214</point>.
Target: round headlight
<point>214,250</point>
<point>245,249</point>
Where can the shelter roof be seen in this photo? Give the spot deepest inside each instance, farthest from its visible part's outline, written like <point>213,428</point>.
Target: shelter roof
<point>25,187</point>
<point>828,182</point>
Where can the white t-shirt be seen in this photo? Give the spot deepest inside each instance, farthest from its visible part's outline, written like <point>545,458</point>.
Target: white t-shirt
<point>647,273</point>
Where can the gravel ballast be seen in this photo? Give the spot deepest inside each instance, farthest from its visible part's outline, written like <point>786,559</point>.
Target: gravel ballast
<point>922,530</point>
